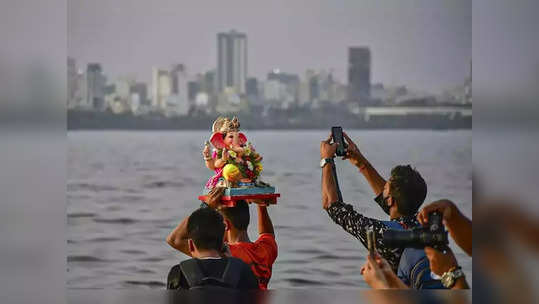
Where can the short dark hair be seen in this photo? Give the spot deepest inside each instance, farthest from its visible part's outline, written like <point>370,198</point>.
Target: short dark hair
<point>408,188</point>
<point>206,228</point>
<point>238,216</point>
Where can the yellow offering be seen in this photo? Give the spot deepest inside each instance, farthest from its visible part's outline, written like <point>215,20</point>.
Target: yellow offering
<point>231,173</point>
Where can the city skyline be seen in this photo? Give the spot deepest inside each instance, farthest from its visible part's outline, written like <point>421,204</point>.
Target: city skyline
<point>422,45</point>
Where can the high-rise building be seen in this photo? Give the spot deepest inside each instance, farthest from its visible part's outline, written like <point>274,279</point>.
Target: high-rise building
<point>141,89</point>
<point>95,87</point>
<point>193,89</point>
<point>161,88</point>
<point>359,75</point>
<point>290,82</point>
<point>251,87</point>
<point>178,77</point>
<point>71,82</point>
<point>209,83</point>
<point>231,61</point>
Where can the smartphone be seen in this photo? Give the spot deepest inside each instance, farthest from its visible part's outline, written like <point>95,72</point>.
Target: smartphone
<point>371,243</point>
<point>338,138</point>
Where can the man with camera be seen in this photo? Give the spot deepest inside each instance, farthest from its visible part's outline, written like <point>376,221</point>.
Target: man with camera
<point>400,197</point>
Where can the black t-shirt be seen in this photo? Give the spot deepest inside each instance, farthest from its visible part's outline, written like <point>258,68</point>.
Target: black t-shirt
<point>212,268</point>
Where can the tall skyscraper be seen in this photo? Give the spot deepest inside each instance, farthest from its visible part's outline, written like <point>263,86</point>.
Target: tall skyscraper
<point>95,87</point>
<point>231,61</point>
<point>161,88</point>
<point>359,75</point>
<point>178,76</point>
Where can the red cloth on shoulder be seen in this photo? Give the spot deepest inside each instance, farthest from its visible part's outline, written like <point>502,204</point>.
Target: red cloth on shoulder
<point>259,255</point>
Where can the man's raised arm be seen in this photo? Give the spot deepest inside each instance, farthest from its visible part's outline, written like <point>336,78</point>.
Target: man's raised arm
<point>264,221</point>
<point>376,181</point>
<point>178,237</point>
<point>329,187</point>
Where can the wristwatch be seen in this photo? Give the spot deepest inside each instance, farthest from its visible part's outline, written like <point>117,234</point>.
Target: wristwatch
<point>325,161</point>
<point>450,277</point>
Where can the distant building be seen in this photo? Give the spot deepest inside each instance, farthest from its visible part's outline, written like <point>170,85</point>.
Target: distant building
<point>229,102</point>
<point>178,78</point>
<point>231,61</point>
<point>95,87</point>
<point>161,88</point>
<point>290,82</point>
<point>252,91</point>
<point>303,93</point>
<point>251,87</point>
<point>468,87</point>
<point>209,84</point>
<point>141,89</point>
<point>193,88</point>
<point>359,75</point>
<point>72,83</point>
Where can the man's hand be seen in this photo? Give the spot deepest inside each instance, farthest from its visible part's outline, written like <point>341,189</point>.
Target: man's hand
<point>440,262</point>
<point>379,275</point>
<point>327,150</point>
<point>446,207</point>
<point>352,152</point>
<point>213,199</point>
<point>373,274</point>
<point>458,225</point>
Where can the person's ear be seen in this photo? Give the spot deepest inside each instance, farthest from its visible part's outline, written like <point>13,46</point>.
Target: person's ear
<point>191,244</point>
<point>391,202</point>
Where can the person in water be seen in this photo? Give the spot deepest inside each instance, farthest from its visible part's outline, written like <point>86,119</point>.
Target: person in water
<point>209,268</point>
<point>400,197</point>
<point>259,255</point>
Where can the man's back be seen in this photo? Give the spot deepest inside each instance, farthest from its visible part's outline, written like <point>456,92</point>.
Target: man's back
<point>259,255</point>
<point>211,272</point>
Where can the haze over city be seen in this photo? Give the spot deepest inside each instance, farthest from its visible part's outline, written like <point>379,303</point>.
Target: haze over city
<point>420,44</point>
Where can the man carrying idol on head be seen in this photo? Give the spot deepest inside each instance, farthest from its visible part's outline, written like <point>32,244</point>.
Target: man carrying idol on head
<point>234,185</point>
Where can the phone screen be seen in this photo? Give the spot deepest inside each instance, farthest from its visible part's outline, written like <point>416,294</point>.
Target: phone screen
<point>338,139</point>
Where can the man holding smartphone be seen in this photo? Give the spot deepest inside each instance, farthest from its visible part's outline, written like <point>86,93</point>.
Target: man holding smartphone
<point>400,197</point>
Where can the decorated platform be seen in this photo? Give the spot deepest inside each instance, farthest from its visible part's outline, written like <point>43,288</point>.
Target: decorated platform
<point>231,195</point>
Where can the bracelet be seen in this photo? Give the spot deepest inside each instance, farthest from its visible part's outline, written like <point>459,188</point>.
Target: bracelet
<point>207,158</point>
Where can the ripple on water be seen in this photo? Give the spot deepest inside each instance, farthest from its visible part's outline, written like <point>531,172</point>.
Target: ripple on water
<point>80,214</point>
<point>84,258</point>
<point>122,220</point>
<point>303,282</point>
<point>153,284</point>
<point>163,184</point>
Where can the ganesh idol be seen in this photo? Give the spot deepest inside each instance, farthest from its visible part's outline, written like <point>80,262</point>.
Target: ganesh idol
<point>234,160</point>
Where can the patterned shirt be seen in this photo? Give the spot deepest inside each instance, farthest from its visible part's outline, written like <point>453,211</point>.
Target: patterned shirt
<point>357,225</point>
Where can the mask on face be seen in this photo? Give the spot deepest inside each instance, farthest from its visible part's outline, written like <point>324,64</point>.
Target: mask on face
<point>382,202</point>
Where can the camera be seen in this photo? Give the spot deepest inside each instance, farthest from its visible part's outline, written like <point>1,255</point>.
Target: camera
<point>434,235</point>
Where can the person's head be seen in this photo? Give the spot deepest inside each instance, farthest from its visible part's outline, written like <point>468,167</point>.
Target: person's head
<point>205,230</point>
<point>237,217</point>
<point>404,192</point>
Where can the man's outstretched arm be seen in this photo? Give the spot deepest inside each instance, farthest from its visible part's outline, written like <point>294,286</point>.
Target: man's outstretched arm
<point>375,180</point>
<point>344,215</point>
<point>329,187</point>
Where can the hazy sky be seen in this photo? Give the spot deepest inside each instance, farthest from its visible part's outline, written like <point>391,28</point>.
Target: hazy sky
<point>424,44</point>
